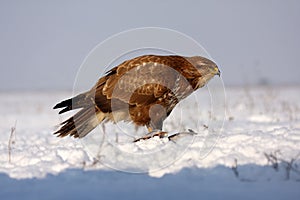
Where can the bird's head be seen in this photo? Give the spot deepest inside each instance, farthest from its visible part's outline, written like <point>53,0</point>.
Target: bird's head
<point>206,69</point>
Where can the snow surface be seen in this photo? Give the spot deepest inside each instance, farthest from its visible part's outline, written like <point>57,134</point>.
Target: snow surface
<point>259,142</point>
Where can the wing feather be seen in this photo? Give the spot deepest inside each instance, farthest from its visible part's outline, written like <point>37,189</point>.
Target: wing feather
<point>140,81</point>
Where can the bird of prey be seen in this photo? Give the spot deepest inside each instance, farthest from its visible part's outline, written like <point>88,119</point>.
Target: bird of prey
<point>143,90</point>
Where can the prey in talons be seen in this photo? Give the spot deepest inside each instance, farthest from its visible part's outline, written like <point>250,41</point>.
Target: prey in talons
<point>162,134</point>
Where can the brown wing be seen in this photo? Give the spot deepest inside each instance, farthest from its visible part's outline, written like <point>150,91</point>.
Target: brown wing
<point>140,81</point>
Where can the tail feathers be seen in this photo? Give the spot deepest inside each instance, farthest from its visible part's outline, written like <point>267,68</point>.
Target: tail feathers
<point>81,123</point>
<point>79,101</point>
<point>66,104</point>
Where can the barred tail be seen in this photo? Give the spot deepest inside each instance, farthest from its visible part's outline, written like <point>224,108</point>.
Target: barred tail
<point>81,123</point>
<point>84,121</point>
<point>79,101</point>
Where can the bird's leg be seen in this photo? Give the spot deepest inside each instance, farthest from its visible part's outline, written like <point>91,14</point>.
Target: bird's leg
<point>150,129</point>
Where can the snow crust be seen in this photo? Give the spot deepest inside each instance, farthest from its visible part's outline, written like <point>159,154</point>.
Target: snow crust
<point>261,128</point>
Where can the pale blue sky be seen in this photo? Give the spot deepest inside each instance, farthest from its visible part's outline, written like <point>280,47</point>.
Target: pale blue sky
<point>43,43</point>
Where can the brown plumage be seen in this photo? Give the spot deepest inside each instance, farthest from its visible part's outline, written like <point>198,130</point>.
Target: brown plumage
<point>143,90</point>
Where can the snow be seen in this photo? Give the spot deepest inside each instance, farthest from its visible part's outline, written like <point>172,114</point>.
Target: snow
<point>256,151</point>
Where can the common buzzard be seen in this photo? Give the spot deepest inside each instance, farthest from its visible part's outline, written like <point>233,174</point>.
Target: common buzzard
<point>143,90</point>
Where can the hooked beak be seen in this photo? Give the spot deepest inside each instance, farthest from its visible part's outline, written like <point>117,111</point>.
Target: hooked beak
<point>218,72</point>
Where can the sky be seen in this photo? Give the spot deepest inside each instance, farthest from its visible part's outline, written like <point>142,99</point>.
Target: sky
<point>43,43</point>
